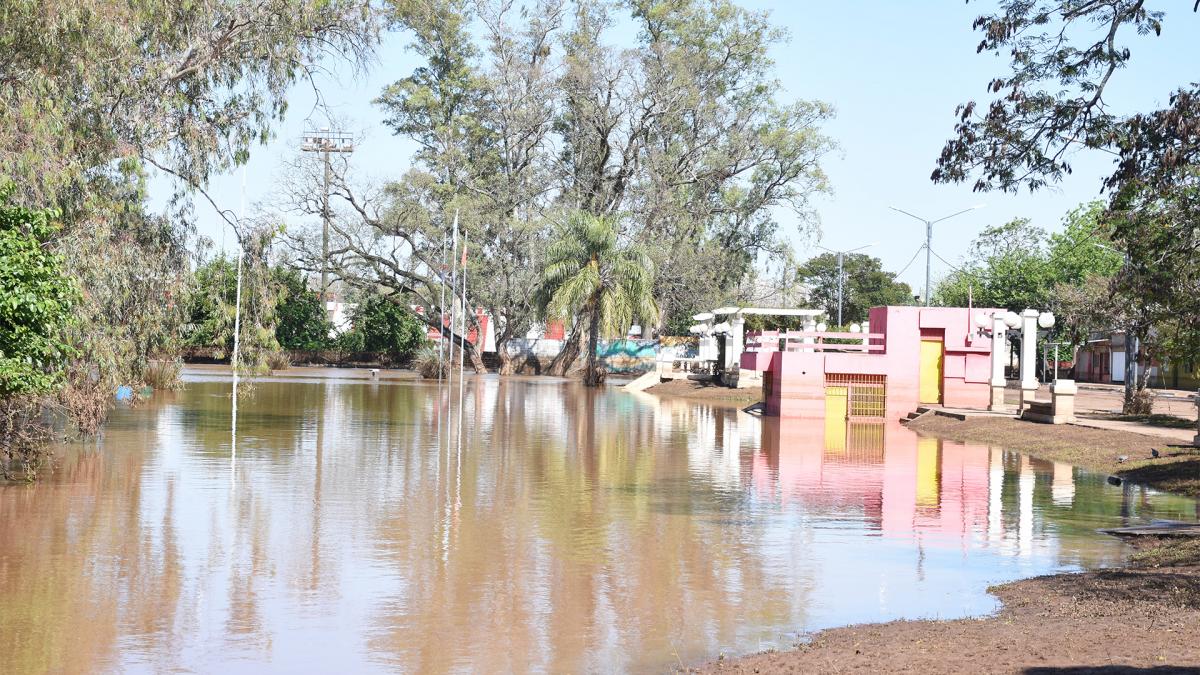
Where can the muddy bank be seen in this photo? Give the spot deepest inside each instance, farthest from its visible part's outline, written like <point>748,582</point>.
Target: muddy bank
<point>1141,618</point>
<point>1176,470</point>
<point>706,391</point>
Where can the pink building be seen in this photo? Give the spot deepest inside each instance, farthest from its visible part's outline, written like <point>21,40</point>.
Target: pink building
<point>907,357</point>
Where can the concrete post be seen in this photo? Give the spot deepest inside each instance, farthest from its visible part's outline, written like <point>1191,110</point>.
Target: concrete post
<point>1029,382</point>
<point>1196,440</point>
<point>810,326</point>
<point>735,343</point>
<point>999,351</point>
<point>1062,396</point>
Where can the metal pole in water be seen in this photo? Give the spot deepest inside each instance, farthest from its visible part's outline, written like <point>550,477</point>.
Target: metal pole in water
<point>237,330</point>
<point>462,357</point>
<point>442,312</point>
<point>453,285</point>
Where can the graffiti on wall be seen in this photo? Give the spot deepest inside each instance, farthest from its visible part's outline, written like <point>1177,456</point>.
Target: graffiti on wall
<point>627,356</point>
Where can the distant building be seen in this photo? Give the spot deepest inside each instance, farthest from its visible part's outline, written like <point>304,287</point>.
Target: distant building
<point>1102,360</point>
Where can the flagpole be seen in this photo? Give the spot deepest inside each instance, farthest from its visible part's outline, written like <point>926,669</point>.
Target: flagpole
<point>462,360</point>
<point>442,312</point>
<point>453,285</point>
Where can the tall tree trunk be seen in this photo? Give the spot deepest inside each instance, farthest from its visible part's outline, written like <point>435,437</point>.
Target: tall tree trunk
<point>569,353</point>
<point>593,376</point>
<point>506,359</point>
<point>1138,400</point>
<point>476,356</point>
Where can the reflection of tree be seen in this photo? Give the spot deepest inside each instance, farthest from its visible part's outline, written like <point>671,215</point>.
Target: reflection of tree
<point>579,527</point>
<point>82,566</point>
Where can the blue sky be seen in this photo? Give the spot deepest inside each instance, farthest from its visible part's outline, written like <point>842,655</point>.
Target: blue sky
<point>893,70</point>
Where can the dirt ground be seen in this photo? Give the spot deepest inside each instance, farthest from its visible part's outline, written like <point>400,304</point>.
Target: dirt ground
<point>1176,470</point>
<point>706,391</point>
<point>1139,619</point>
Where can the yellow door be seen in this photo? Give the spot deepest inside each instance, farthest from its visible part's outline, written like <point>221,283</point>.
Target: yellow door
<point>931,371</point>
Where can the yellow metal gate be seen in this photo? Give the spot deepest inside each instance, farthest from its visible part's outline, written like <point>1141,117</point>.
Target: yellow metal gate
<point>853,395</point>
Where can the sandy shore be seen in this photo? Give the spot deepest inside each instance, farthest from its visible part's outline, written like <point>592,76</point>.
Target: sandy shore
<point>706,391</point>
<point>1138,619</point>
<point>1141,618</point>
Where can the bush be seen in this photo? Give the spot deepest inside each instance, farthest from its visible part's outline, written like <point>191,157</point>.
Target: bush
<point>384,326</point>
<point>426,363</point>
<point>163,374</point>
<point>36,299</point>
<point>301,321</point>
<point>278,360</point>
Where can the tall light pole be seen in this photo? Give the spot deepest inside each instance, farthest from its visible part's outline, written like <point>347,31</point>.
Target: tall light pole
<point>929,238</point>
<point>841,255</point>
<point>325,142</point>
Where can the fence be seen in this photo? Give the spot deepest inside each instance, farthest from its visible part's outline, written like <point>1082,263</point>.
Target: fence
<point>796,341</point>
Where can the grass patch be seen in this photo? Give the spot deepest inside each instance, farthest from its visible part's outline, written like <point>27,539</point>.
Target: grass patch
<point>1171,553</point>
<point>1156,420</point>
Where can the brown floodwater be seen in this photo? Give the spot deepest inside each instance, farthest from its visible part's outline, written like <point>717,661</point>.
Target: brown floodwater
<point>567,531</point>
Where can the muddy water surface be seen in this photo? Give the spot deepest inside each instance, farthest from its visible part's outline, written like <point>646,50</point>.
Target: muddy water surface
<point>568,531</point>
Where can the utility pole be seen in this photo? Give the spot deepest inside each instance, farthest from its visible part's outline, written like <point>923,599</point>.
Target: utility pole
<point>326,142</point>
<point>929,239</point>
<point>841,259</point>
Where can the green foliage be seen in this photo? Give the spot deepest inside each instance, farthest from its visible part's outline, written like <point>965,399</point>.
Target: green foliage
<point>1063,54</point>
<point>301,320</point>
<point>188,86</point>
<point>36,299</point>
<point>1016,266</point>
<point>866,285</point>
<point>591,275</point>
<point>381,324</point>
<point>210,305</point>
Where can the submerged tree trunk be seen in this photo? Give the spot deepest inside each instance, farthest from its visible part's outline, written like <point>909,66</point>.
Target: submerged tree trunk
<point>506,360</point>
<point>594,374</point>
<point>569,353</point>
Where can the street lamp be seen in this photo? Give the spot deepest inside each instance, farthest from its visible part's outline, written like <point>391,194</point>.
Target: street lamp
<point>929,238</point>
<point>325,142</point>
<point>841,277</point>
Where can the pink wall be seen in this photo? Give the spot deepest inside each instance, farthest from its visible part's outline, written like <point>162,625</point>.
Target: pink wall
<point>797,379</point>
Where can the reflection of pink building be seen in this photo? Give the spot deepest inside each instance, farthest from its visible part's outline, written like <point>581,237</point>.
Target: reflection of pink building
<point>902,483</point>
<point>908,356</point>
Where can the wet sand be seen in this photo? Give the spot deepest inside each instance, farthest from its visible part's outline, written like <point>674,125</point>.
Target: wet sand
<point>1142,618</point>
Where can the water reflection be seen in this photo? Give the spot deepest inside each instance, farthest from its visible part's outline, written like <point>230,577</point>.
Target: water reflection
<point>570,530</point>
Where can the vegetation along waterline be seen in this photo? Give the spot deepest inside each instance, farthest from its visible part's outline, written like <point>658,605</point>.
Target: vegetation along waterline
<point>763,216</point>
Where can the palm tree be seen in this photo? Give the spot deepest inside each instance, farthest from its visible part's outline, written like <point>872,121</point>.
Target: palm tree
<point>590,274</point>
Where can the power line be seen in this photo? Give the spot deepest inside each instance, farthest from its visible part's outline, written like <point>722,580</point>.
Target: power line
<point>910,261</point>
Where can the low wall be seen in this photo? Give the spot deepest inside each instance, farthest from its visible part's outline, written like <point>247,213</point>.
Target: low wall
<point>316,357</point>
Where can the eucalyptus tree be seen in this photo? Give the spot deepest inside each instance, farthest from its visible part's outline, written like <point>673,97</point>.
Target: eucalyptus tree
<point>95,93</point>
<point>520,111</point>
<point>1065,58</point>
<point>594,277</point>
<point>721,154</point>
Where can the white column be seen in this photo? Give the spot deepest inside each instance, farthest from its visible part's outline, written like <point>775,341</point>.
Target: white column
<point>1029,383</point>
<point>810,326</point>
<point>735,344</point>
<point>999,352</point>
